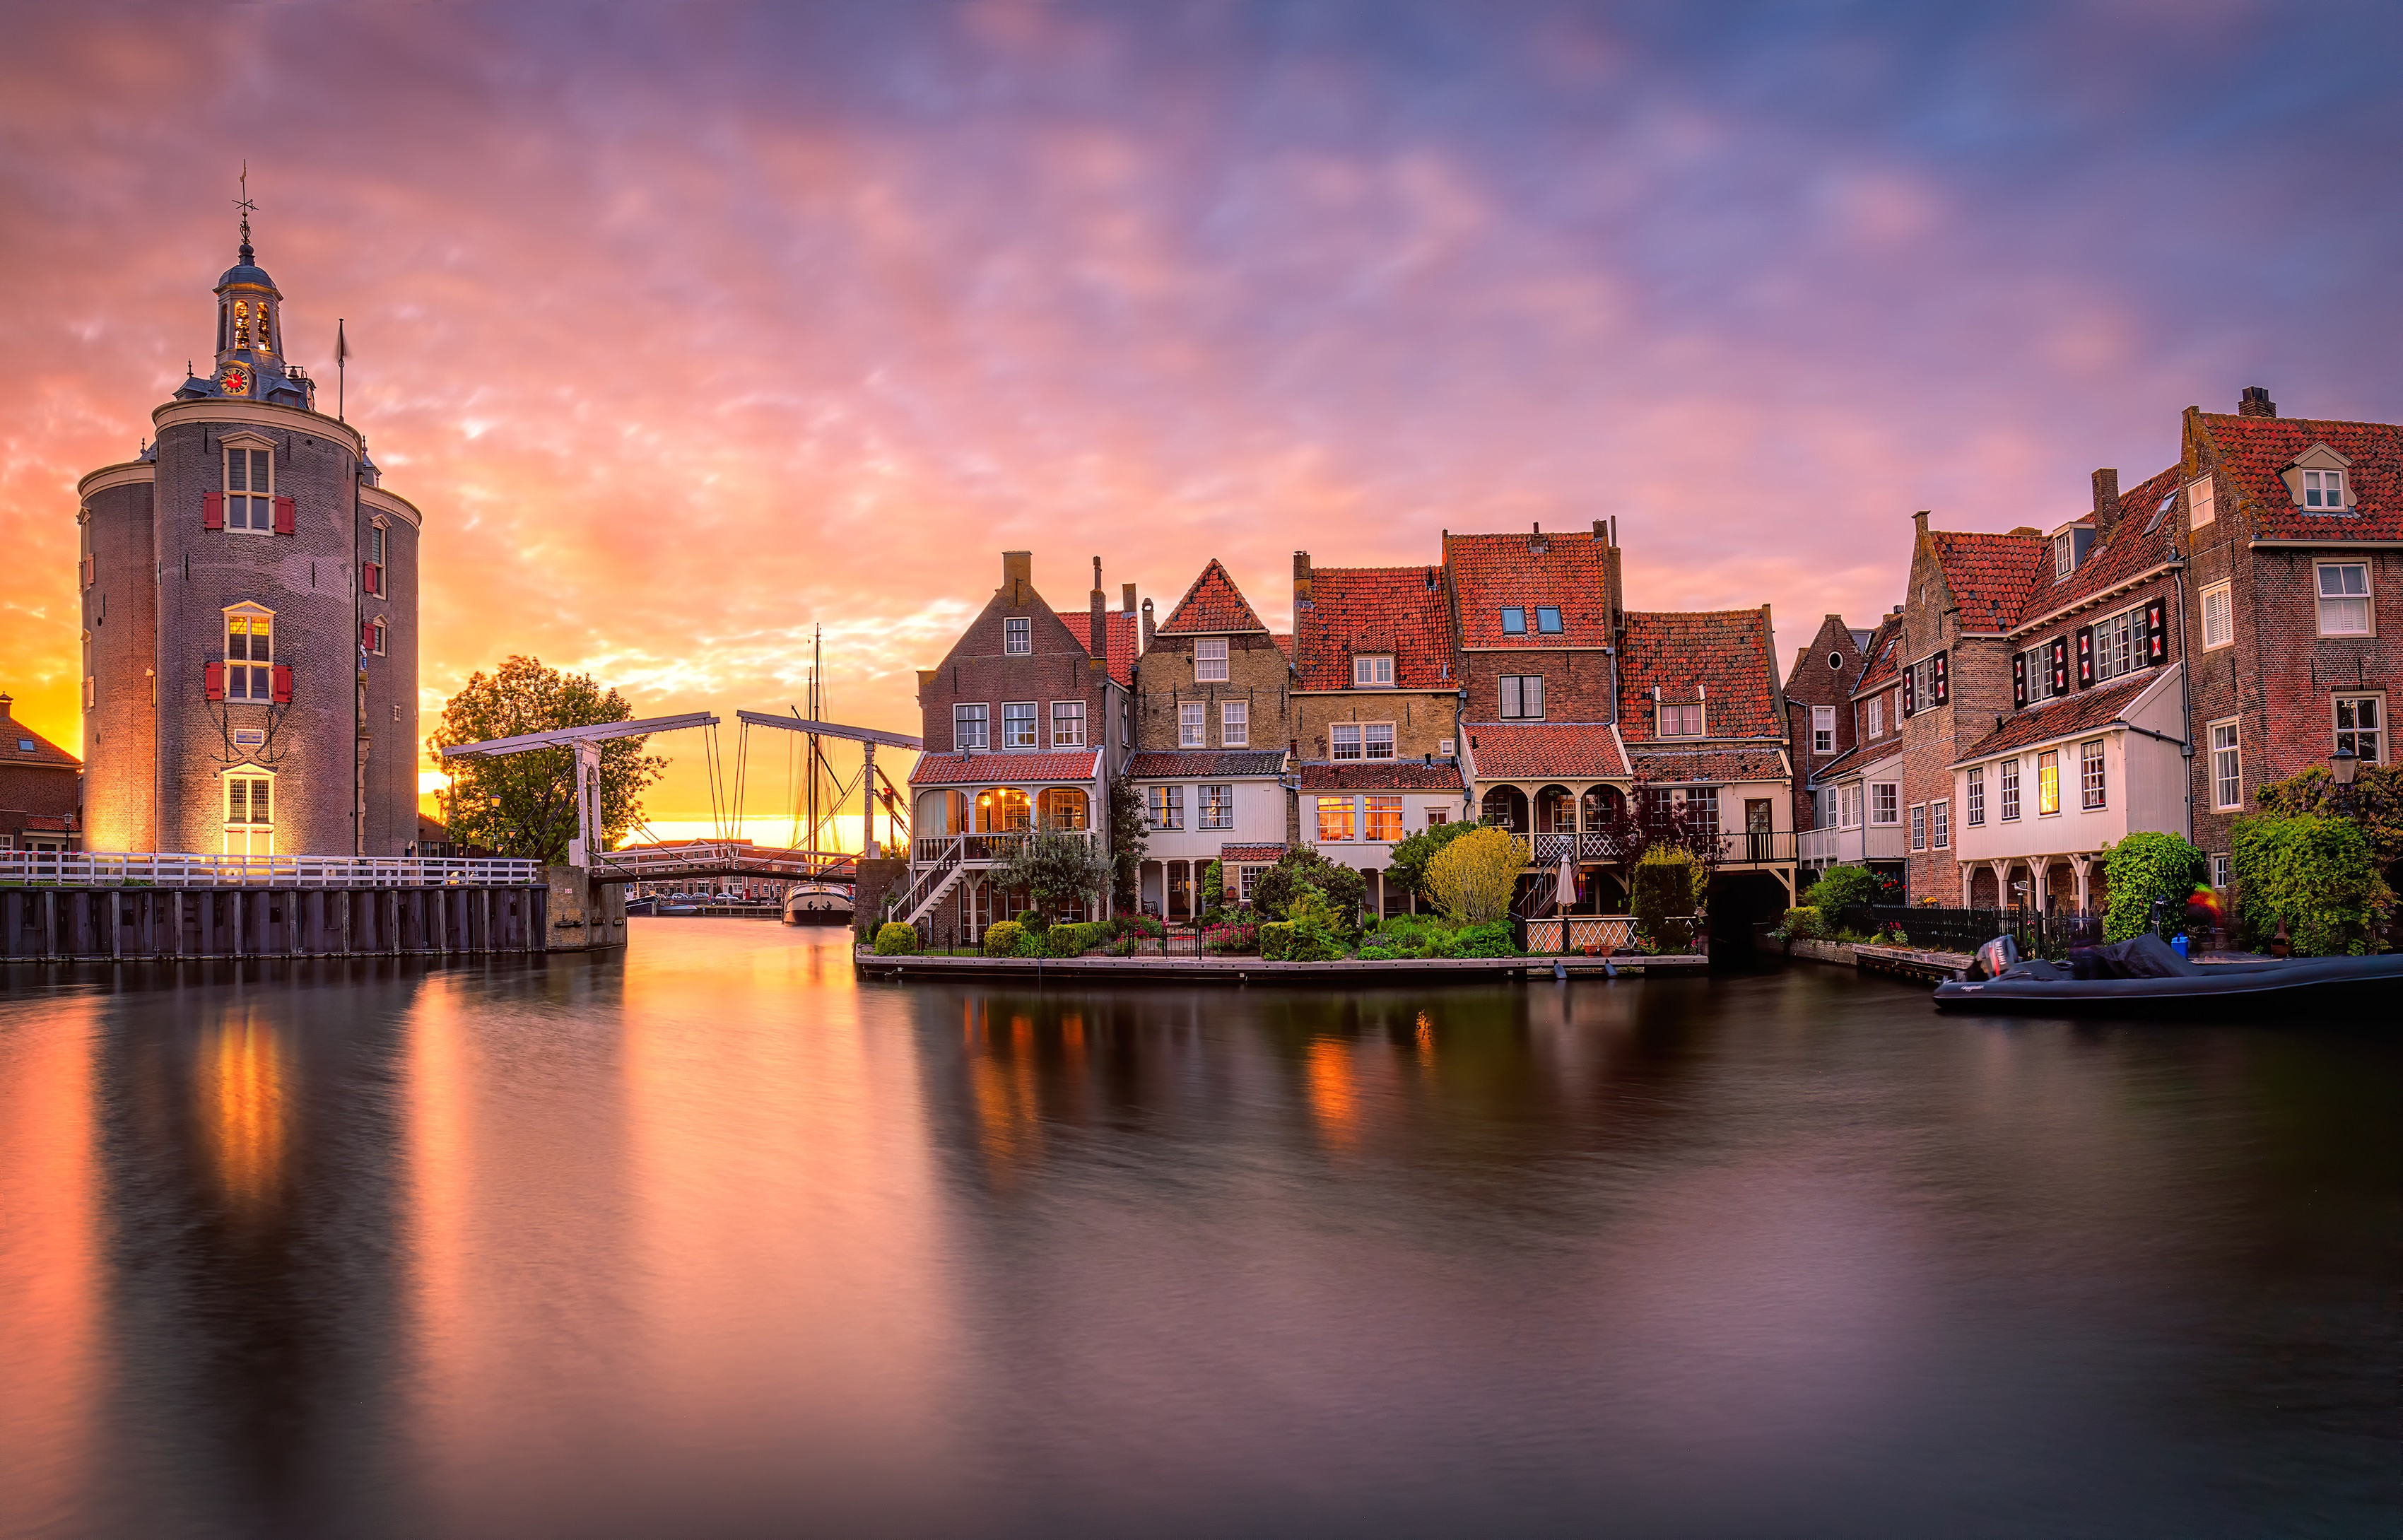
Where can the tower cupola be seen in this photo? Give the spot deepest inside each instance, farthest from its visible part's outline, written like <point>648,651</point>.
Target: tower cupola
<point>250,332</point>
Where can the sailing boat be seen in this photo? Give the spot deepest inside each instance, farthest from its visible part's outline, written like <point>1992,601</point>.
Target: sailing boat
<point>824,901</point>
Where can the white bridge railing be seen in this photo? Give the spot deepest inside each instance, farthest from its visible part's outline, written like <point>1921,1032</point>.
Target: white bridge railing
<point>78,868</point>
<point>730,857</point>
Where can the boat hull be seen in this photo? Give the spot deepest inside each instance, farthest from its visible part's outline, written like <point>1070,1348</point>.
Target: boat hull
<point>818,906</point>
<point>2326,988</point>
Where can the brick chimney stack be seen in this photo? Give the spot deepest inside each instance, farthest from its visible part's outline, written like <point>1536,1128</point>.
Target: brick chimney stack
<point>1146,625</point>
<point>2106,500</point>
<point>1017,573</point>
<point>2255,402</point>
<point>1300,577</point>
<point>1126,595</point>
<point>1099,636</point>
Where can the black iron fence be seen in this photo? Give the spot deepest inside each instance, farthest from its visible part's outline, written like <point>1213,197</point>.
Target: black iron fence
<point>2036,933</point>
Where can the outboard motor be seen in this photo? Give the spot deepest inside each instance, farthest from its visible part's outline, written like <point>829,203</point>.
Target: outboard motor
<point>1995,957</point>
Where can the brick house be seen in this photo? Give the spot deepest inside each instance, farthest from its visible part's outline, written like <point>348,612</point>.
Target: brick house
<point>1214,730</point>
<point>41,788</point>
<point>1818,709</point>
<point>1024,728</point>
<point>2294,598</point>
<point>1376,712</point>
<point>1856,796</point>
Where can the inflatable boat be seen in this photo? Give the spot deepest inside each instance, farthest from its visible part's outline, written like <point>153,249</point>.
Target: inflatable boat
<point>2145,976</point>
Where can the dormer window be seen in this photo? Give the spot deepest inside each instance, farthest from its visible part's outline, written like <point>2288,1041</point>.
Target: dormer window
<point>1681,721</point>
<point>1017,634</point>
<point>1371,669</point>
<point>1547,619</point>
<point>1514,621</point>
<point>1210,660</point>
<point>2064,556</point>
<point>2324,489</point>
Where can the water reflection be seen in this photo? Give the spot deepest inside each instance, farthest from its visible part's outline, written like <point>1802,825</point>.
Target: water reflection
<point>241,1086</point>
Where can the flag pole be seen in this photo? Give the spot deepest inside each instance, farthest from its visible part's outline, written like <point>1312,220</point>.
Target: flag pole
<point>341,379</point>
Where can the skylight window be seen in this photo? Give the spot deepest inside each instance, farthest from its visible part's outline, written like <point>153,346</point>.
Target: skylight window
<point>1514,621</point>
<point>1547,619</point>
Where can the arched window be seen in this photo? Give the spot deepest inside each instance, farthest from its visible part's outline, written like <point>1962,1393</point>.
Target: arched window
<point>249,811</point>
<point>1002,810</point>
<point>1062,808</point>
<point>1506,807</point>
<point>241,323</point>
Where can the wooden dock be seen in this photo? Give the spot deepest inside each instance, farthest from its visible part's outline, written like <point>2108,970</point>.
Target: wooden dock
<point>105,925</point>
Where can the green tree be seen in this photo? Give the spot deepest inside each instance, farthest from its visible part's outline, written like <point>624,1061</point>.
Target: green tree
<point>1840,886</point>
<point>1127,845</point>
<point>1474,876</point>
<point>2376,804</point>
<point>524,804</point>
<point>1274,890</point>
<point>1410,856</point>
<point>1667,880</point>
<point>2144,866</point>
<point>2316,876</point>
<point>1055,866</point>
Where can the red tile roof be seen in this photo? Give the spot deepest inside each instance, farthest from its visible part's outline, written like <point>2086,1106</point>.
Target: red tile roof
<point>1529,751</point>
<point>2253,449</point>
<point>1004,770</point>
<point>1708,765</point>
<point>1490,571</point>
<point>1213,607</point>
<point>2139,542</point>
<point>1990,576</point>
<point>15,737</point>
<point>2079,713</point>
<point>1283,640</point>
<point>1720,657</point>
<point>1173,764</point>
<point>1248,854</point>
<point>1382,775</point>
<point>1124,641</point>
<point>1881,669</point>
<point>1374,609</point>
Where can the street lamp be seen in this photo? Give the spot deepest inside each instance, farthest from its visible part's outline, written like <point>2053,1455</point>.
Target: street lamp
<point>2341,766</point>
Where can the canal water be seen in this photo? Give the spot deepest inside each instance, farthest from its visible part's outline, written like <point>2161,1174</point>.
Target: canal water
<point>709,1240</point>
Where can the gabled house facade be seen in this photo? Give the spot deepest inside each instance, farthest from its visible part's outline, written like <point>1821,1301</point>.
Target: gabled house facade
<point>1857,797</point>
<point>1818,709</point>
<point>41,789</point>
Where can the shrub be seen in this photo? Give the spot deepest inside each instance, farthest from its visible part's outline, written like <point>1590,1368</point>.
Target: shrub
<point>896,940</point>
<point>1144,924</point>
<point>1666,880</point>
<point>1474,876</point>
<point>1276,941</point>
<point>1490,940</point>
<point>1214,888</point>
<point>1318,934</point>
<point>1235,935</point>
<point>1034,919</point>
<point>2145,866</point>
<point>1408,864</point>
<point>1064,941</point>
<point>1803,924</point>
<point>2316,875</point>
<point>1273,891</point>
<point>1840,887</point>
<point>1001,938</point>
<point>1379,954</point>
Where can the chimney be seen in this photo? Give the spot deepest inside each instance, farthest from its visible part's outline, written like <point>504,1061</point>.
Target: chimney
<point>1126,604</point>
<point>1146,625</point>
<point>2106,500</point>
<point>5,701</point>
<point>1301,577</point>
<point>2255,402</point>
<point>1099,636</point>
<point>1018,573</point>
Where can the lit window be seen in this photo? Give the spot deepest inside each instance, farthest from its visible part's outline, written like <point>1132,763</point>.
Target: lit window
<point>968,725</point>
<point>2218,617</point>
<point>2200,507</point>
<point>1017,634</point>
<point>1939,818</point>
<point>2359,725</point>
<point>1885,802</point>
<point>1217,809</point>
<point>1823,729</point>
<point>1384,819</point>
<point>2226,766</point>
<point>249,812</point>
<point>1547,619</point>
<point>1234,724</point>
<point>1681,721</point>
<point>1976,805</point>
<point>2090,774</point>
<point>2344,599</point>
<point>2007,779</point>
<point>1190,728</point>
<point>1376,739</point>
<point>1919,825</point>
<point>2048,783</point>
<point>1514,621</point>
<point>2322,489</point>
<point>1877,714</point>
<point>1210,660</point>
<point>241,324</point>
<point>1018,725</point>
<point>250,656</point>
<point>1067,724</point>
<point>1523,696</point>
<point>1371,668</point>
<point>250,490</point>
<point>1334,819</point>
<point>1164,807</point>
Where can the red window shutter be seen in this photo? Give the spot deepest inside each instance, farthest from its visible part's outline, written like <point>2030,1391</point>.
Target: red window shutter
<point>283,685</point>
<point>2086,657</point>
<point>1910,692</point>
<point>2157,632</point>
<point>284,516</point>
<point>2019,681</point>
<point>366,636</point>
<point>1935,680</point>
<point>213,511</point>
<point>2060,665</point>
<point>213,681</point>
<point>370,577</point>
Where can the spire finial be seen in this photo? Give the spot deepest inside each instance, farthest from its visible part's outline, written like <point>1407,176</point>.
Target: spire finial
<point>248,208</point>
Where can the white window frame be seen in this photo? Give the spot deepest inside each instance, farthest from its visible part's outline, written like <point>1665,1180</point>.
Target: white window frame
<point>2222,864</point>
<point>2366,598</point>
<point>1372,671</point>
<point>1342,736</point>
<point>1348,808</point>
<point>2201,509</point>
<point>254,505</point>
<point>1163,806</point>
<point>1210,660</point>
<point>1877,716</point>
<point>1192,725</point>
<point>1701,720</point>
<point>1849,796</point>
<point>2093,776</point>
<point>1028,713</point>
<point>2375,733</point>
<point>1376,739</point>
<point>1823,729</point>
<point>1974,805</point>
<point>2007,790</point>
<point>1213,807</point>
<point>376,629</point>
<point>2118,644</point>
<point>2326,496</point>
<point>1918,827</point>
<point>255,673</point>
<point>1067,724</point>
<point>1372,807</point>
<point>971,725</point>
<point>2223,632</point>
<point>2226,741</point>
<point>1017,635</point>
<point>1235,724</point>
<point>1513,702</point>
<point>247,835</point>
<point>1940,823</point>
<point>2065,554</point>
<point>1885,804</point>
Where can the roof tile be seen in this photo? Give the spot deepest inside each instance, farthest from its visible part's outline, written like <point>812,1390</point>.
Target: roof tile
<point>1525,751</point>
<point>2253,449</point>
<point>1708,765</point>
<point>1213,607</point>
<point>1382,775</point>
<point>1400,610</point>
<point>1173,764</point>
<point>1567,570</point>
<point>1723,652</point>
<point>1124,641</point>
<point>1004,769</point>
<point>2079,712</point>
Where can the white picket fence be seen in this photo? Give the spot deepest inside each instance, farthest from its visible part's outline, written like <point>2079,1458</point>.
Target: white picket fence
<point>79,868</point>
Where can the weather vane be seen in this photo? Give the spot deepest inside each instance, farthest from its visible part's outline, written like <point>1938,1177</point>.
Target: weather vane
<point>243,204</point>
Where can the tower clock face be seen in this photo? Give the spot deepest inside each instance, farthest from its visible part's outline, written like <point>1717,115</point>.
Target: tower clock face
<point>235,380</point>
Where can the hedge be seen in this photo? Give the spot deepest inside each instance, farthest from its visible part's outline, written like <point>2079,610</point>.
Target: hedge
<point>2142,867</point>
<point>896,940</point>
<point>2317,875</point>
<point>1842,887</point>
<point>1804,924</point>
<point>1002,937</point>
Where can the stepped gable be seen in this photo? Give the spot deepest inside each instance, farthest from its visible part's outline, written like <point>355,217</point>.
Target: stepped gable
<point>1990,576</point>
<point>2144,538</point>
<point>1123,635</point>
<point>1724,652</point>
<point>1213,607</point>
<point>1546,751</point>
<point>2253,449</point>
<point>1351,610</point>
<point>1568,570</point>
<point>2080,713</point>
